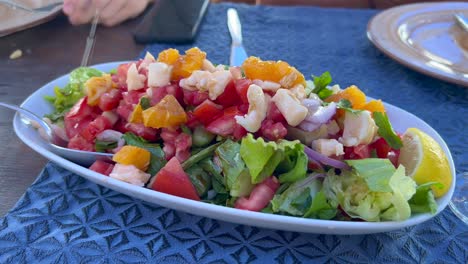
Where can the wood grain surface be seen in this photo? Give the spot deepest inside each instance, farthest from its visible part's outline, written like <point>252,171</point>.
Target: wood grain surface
<point>49,51</point>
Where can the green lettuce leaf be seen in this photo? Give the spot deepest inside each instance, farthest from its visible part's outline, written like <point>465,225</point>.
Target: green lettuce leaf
<point>285,158</point>
<point>321,208</point>
<point>386,130</point>
<point>376,172</point>
<point>157,160</point>
<point>293,167</point>
<point>261,158</point>
<point>103,146</point>
<point>423,200</point>
<point>296,199</point>
<point>236,175</point>
<point>352,192</point>
<point>65,98</point>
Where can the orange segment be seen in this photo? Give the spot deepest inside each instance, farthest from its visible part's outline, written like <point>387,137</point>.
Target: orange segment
<point>137,115</point>
<point>167,113</point>
<point>97,86</point>
<point>131,155</point>
<point>168,56</point>
<point>188,63</point>
<point>276,71</point>
<point>374,106</point>
<point>353,94</point>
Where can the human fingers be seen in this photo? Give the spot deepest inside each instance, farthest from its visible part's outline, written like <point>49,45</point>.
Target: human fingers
<point>128,10</point>
<point>111,9</point>
<point>83,12</point>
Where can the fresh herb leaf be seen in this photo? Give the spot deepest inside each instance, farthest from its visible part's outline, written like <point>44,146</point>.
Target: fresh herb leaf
<point>145,102</point>
<point>201,155</point>
<point>103,146</point>
<point>157,160</point>
<point>386,131</point>
<point>113,71</point>
<point>200,179</point>
<point>320,83</point>
<point>346,105</point>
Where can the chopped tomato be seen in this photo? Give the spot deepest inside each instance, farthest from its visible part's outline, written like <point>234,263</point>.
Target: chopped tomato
<point>207,111</point>
<point>229,97</point>
<point>80,143</point>
<point>148,133</point>
<point>122,74</point>
<point>102,167</point>
<point>381,147</point>
<point>158,93</point>
<point>192,121</point>
<point>260,196</point>
<point>132,97</point>
<point>357,152</point>
<point>194,98</point>
<point>98,125</point>
<point>176,144</point>
<point>273,131</point>
<point>172,179</point>
<point>226,124</point>
<point>110,100</point>
<point>275,114</point>
<point>79,116</point>
<point>242,86</point>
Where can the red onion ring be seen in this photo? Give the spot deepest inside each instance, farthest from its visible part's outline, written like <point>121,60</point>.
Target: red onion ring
<point>316,156</point>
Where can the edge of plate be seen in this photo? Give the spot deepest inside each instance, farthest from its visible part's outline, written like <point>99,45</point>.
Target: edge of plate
<point>429,71</point>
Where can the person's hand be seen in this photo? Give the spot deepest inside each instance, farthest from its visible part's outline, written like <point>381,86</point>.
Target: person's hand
<point>111,12</point>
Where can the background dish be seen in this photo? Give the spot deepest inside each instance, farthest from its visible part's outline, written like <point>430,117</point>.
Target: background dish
<point>400,119</point>
<point>13,20</point>
<point>424,37</point>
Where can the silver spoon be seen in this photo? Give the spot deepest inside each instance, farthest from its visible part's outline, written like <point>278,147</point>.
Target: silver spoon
<point>57,144</point>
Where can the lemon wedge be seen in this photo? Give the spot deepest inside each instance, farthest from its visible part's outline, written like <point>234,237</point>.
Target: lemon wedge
<point>425,161</point>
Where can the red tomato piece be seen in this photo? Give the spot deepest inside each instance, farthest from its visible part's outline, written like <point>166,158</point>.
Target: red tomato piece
<point>273,131</point>
<point>98,125</point>
<point>110,100</point>
<point>172,179</point>
<point>229,97</point>
<point>102,167</point>
<point>225,124</point>
<point>132,97</point>
<point>124,110</point>
<point>357,152</point>
<point>158,93</point>
<point>122,70</point>
<point>194,98</point>
<point>381,147</point>
<point>260,196</point>
<point>79,116</point>
<point>207,111</point>
<point>242,86</point>
<point>80,143</point>
<point>274,114</point>
<point>148,133</point>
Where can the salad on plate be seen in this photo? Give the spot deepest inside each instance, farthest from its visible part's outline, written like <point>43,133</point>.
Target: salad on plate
<point>259,137</point>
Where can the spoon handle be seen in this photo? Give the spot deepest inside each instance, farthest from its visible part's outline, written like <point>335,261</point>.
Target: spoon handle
<point>33,117</point>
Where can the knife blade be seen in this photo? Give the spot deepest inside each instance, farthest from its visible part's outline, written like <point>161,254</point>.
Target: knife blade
<point>238,54</point>
<point>90,40</point>
<point>462,21</point>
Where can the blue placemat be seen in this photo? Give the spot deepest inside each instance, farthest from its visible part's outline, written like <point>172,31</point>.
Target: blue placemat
<point>63,218</point>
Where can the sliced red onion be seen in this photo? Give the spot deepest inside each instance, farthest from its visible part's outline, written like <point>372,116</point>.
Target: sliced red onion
<point>112,136</point>
<point>323,114</point>
<point>316,156</point>
<point>309,126</point>
<point>311,104</point>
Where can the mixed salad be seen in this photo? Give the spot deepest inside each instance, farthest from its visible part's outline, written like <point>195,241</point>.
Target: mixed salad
<point>258,137</point>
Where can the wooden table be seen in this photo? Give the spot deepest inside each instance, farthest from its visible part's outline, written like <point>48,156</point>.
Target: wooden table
<point>49,51</point>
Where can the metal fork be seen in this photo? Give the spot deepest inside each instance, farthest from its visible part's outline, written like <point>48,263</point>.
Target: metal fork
<point>16,5</point>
